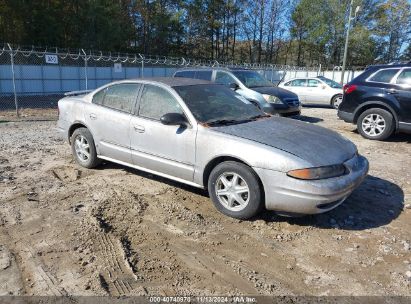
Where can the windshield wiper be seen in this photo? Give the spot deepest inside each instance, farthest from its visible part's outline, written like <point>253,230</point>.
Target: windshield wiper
<point>259,116</point>
<point>233,121</point>
<point>225,122</point>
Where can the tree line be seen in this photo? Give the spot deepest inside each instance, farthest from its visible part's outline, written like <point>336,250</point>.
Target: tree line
<point>291,32</point>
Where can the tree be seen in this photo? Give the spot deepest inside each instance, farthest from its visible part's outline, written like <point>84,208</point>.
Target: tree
<point>392,27</point>
<point>301,32</point>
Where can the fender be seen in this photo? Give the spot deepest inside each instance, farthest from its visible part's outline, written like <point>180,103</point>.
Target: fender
<point>78,122</point>
<point>358,111</point>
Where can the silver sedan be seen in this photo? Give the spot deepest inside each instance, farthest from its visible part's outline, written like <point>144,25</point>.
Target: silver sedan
<point>207,136</point>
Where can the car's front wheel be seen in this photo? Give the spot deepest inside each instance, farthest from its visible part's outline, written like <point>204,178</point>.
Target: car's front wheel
<point>377,124</point>
<point>235,190</point>
<point>83,148</point>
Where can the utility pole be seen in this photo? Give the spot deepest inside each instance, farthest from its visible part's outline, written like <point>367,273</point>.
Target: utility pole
<point>347,38</point>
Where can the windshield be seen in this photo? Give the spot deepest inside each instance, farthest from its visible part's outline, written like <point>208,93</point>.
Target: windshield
<point>331,83</point>
<point>214,104</point>
<point>252,79</point>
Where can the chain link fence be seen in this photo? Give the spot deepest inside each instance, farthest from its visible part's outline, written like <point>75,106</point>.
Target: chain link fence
<point>33,80</point>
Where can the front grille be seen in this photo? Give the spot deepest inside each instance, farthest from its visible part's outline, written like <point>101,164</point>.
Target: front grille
<point>292,102</point>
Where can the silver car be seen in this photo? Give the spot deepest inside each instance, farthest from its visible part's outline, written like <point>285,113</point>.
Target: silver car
<point>315,90</point>
<point>207,136</point>
<point>252,86</point>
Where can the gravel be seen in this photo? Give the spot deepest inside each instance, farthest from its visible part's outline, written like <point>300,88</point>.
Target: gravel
<point>66,230</point>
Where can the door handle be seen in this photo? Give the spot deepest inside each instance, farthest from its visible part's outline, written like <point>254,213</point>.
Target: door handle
<point>93,116</point>
<point>392,91</point>
<point>139,129</point>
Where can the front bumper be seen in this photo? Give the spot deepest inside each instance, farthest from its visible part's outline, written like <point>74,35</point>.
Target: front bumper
<point>286,110</point>
<point>288,195</point>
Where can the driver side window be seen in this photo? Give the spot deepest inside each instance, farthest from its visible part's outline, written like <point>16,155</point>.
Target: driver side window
<point>312,83</point>
<point>224,78</point>
<point>156,101</point>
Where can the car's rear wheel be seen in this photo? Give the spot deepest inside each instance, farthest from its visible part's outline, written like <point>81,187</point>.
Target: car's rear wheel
<point>83,148</point>
<point>376,124</point>
<point>235,190</point>
<point>336,101</point>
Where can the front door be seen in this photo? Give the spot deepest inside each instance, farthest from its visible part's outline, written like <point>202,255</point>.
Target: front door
<point>165,149</point>
<point>316,92</point>
<point>108,117</point>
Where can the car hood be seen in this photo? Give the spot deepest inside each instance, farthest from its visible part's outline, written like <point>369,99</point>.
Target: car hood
<point>314,144</point>
<point>275,91</point>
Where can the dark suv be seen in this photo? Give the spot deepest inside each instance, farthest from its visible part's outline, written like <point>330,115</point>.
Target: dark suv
<point>379,101</point>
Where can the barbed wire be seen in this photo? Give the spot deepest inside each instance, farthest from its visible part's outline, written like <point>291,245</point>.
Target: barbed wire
<point>138,58</point>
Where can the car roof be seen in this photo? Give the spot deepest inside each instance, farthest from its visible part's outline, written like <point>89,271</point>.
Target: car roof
<point>174,81</point>
<point>304,77</point>
<point>386,66</point>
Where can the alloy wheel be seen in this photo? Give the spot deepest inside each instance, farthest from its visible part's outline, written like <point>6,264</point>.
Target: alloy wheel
<point>373,125</point>
<point>232,191</point>
<point>337,102</point>
<point>82,148</point>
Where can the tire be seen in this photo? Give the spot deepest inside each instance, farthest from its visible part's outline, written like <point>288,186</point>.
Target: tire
<point>376,124</point>
<point>249,191</point>
<point>83,148</point>
<point>336,101</point>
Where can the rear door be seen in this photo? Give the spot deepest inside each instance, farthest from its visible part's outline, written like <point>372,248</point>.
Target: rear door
<point>108,117</point>
<point>165,149</point>
<point>402,91</point>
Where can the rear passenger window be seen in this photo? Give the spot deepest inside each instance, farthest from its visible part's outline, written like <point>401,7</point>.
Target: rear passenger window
<point>384,76</point>
<point>404,77</point>
<point>185,74</point>
<point>99,96</point>
<point>204,75</point>
<point>121,96</point>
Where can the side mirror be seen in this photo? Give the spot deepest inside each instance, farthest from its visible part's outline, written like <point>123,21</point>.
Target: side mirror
<point>174,119</point>
<point>323,87</point>
<point>234,86</point>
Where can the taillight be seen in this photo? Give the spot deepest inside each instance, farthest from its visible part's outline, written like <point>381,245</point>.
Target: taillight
<point>348,88</point>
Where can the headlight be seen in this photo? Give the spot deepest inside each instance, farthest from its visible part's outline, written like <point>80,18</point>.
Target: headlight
<point>318,173</point>
<point>272,99</point>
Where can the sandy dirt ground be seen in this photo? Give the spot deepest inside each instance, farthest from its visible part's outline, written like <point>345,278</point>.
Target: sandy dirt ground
<point>65,230</point>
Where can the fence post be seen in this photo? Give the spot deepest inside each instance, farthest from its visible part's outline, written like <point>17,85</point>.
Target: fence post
<point>14,80</point>
<point>85,68</point>
<point>272,72</point>
<point>142,65</point>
